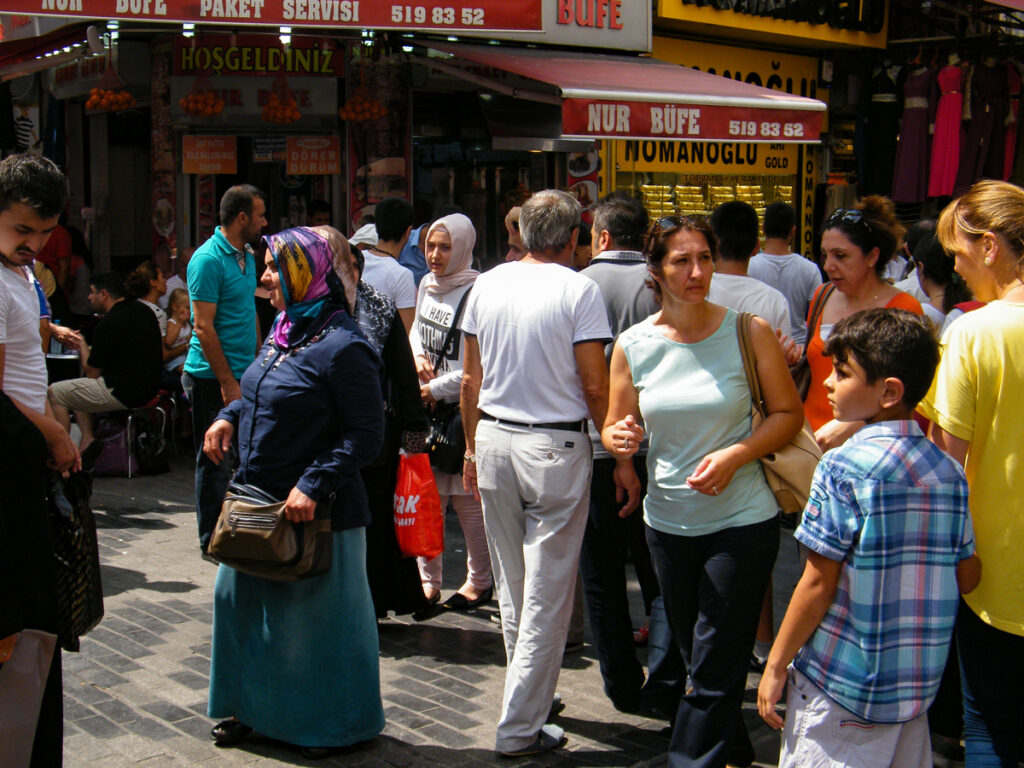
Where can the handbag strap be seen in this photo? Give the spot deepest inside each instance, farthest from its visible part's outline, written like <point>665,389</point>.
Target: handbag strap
<point>749,360</point>
<point>451,331</point>
<point>818,306</point>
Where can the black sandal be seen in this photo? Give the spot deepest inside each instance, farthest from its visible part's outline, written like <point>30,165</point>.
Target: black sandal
<point>229,732</point>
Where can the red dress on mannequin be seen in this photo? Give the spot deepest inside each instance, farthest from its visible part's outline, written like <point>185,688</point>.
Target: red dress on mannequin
<point>948,132</point>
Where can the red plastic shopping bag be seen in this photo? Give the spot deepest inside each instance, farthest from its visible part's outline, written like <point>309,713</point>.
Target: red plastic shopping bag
<point>419,519</point>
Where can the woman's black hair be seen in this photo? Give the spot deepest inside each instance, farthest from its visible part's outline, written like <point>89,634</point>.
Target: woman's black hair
<point>871,223</point>
<point>938,267</point>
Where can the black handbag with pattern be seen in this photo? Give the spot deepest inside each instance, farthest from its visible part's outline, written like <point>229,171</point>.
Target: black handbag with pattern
<point>73,529</point>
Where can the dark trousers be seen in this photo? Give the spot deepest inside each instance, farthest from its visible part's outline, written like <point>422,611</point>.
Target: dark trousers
<point>211,479</point>
<point>713,586</point>
<point>607,541</point>
<point>992,675</point>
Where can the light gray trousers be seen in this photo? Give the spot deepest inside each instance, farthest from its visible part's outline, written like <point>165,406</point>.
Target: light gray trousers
<point>535,487</point>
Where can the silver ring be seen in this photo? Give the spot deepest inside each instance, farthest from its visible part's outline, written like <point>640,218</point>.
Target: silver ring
<point>715,489</point>
<point>625,443</point>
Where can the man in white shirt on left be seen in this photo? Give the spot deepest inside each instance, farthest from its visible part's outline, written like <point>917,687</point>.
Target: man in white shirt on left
<point>32,195</point>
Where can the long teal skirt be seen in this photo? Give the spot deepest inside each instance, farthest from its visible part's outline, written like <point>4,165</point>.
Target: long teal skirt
<point>298,661</point>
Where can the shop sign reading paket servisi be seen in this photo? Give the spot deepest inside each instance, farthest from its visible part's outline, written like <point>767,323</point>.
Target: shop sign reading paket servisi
<point>522,15</point>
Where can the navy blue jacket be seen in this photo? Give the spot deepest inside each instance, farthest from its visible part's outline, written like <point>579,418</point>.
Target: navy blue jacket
<point>310,417</point>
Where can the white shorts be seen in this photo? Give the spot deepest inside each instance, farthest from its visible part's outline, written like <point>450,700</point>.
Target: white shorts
<point>819,733</point>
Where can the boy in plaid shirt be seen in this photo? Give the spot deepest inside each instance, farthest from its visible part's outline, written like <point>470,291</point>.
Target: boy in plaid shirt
<point>890,546</point>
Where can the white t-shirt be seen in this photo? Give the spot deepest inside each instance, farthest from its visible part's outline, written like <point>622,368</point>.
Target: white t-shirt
<point>390,278</point>
<point>936,316</point>
<point>794,277</point>
<point>434,316</point>
<point>748,294</point>
<point>910,284</point>
<point>527,319</point>
<point>24,361</point>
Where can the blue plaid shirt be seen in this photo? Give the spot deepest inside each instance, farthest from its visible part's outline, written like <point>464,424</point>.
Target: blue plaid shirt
<point>893,509</point>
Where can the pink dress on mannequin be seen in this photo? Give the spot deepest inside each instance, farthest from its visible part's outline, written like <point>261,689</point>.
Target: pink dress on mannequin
<point>948,132</point>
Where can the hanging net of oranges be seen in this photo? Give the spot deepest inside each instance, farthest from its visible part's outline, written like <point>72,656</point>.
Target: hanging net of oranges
<point>281,106</point>
<point>359,109</point>
<point>202,103</point>
<point>103,100</point>
<point>202,100</point>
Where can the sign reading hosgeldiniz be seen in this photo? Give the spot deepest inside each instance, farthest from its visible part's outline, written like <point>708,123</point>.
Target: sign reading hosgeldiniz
<point>504,15</point>
<point>220,54</point>
<point>611,119</point>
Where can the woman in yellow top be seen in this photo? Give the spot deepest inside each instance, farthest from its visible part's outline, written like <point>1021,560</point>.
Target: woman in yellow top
<point>856,244</point>
<point>975,408</point>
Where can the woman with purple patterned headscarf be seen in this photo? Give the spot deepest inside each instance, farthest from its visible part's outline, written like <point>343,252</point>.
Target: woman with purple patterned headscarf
<point>297,661</point>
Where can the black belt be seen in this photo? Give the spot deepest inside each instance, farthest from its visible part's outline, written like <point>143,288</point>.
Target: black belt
<point>568,426</point>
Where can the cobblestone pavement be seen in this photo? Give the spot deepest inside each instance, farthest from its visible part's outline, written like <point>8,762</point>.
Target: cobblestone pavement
<point>136,693</point>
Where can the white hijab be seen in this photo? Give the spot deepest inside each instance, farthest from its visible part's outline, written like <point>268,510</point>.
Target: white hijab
<point>460,270</point>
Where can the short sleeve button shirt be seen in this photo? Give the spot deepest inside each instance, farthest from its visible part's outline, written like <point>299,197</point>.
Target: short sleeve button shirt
<point>893,508</point>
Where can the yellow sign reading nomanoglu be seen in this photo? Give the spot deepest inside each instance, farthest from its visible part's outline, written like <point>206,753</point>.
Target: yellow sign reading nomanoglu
<point>706,157</point>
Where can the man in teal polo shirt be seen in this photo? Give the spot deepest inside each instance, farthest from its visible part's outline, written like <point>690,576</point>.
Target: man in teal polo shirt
<point>222,278</point>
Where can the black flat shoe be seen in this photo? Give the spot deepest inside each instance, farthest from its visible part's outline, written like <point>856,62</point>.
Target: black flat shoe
<point>459,602</point>
<point>229,732</point>
<point>315,753</point>
<point>431,609</point>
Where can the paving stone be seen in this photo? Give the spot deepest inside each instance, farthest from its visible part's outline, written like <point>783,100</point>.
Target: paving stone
<point>449,737</point>
<point>199,727</point>
<point>406,718</point>
<point>99,726</point>
<point>150,729</point>
<point>198,664</point>
<point>168,712</point>
<point>116,711</point>
<point>190,679</point>
<point>74,710</point>
<point>117,663</point>
<point>85,692</point>
<point>458,688</point>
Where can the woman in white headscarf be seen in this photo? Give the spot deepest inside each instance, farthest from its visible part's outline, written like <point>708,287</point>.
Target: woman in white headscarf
<point>442,293</point>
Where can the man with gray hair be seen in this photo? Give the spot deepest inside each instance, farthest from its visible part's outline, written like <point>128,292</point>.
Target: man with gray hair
<point>534,373</point>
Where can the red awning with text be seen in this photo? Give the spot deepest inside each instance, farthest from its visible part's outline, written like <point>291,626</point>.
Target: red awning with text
<point>503,15</point>
<point>614,97</point>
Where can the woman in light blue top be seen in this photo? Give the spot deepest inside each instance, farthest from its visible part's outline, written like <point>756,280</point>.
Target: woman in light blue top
<point>710,516</point>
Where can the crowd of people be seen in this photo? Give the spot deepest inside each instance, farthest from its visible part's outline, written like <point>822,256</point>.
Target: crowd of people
<point>606,414</point>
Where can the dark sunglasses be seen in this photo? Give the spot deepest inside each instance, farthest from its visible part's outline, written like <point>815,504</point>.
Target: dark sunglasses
<point>849,216</point>
<point>671,222</point>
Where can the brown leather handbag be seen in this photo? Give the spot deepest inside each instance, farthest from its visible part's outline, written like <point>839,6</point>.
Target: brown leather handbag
<point>790,469</point>
<point>253,536</point>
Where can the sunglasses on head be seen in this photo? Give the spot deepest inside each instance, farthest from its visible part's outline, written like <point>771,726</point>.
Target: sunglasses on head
<point>849,216</point>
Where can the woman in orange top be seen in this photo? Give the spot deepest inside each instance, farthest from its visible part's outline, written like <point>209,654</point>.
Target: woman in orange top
<point>856,244</point>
